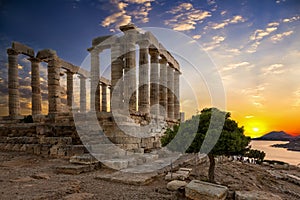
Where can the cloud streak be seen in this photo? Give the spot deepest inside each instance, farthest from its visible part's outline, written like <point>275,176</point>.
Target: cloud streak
<point>186,17</point>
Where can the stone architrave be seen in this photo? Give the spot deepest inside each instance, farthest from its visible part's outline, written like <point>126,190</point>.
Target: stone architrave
<point>54,95</point>
<point>36,99</point>
<point>154,82</point>
<point>144,104</point>
<point>130,71</point>
<point>13,84</point>
<point>69,89</point>
<point>176,95</point>
<point>95,71</point>
<point>163,90</point>
<point>104,97</point>
<point>82,93</point>
<point>170,84</point>
<point>117,65</point>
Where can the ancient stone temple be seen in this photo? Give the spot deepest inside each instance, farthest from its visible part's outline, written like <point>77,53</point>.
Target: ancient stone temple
<point>141,97</point>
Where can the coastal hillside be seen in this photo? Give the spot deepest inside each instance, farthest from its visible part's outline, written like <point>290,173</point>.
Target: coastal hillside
<point>277,136</point>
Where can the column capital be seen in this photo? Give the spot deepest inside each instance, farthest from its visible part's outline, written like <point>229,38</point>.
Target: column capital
<point>82,76</point>
<point>12,51</point>
<point>68,72</point>
<point>34,60</point>
<point>163,60</point>
<point>143,44</point>
<point>153,52</point>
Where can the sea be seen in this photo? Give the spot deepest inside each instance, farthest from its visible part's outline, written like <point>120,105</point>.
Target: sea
<point>275,153</point>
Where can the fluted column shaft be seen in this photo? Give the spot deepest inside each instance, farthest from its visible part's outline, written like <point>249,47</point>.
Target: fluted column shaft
<point>130,73</point>
<point>36,97</point>
<point>13,84</point>
<point>176,95</point>
<point>54,100</point>
<point>117,65</point>
<point>144,102</point>
<point>170,74</point>
<point>154,82</point>
<point>82,93</point>
<point>104,97</point>
<point>95,71</point>
<point>69,89</point>
<point>163,90</point>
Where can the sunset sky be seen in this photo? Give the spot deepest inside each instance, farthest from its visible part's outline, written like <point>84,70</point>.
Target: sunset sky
<point>249,47</point>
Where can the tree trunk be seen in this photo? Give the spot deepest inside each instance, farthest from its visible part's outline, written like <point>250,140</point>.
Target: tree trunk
<point>211,170</point>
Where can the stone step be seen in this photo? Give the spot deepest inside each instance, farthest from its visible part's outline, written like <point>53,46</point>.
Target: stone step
<point>85,159</point>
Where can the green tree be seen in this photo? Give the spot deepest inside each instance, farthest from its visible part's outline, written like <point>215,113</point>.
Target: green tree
<point>259,155</point>
<point>216,134</point>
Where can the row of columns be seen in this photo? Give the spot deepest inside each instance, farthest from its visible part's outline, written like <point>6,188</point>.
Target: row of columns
<point>164,80</point>
<point>54,100</point>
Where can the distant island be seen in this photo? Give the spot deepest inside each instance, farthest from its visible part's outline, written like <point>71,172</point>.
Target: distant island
<point>292,145</point>
<point>276,136</point>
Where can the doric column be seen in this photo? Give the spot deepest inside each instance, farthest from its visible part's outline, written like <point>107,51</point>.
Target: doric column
<point>97,98</point>
<point>144,103</point>
<point>95,71</point>
<point>117,65</point>
<point>36,97</point>
<point>163,90</point>
<point>154,82</point>
<point>13,84</point>
<point>170,75</point>
<point>69,89</point>
<point>54,100</point>
<point>82,93</point>
<point>104,97</point>
<point>130,72</point>
<point>176,95</point>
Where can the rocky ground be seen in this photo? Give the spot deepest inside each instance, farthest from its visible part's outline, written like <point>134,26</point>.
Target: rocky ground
<point>24,176</point>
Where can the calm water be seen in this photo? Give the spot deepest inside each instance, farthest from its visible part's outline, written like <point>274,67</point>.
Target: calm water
<point>273,153</point>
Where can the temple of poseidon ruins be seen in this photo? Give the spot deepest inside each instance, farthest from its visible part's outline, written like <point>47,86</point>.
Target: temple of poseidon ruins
<point>140,96</point>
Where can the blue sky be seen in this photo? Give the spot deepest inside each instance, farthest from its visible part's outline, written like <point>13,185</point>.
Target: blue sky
<point>254,45</point>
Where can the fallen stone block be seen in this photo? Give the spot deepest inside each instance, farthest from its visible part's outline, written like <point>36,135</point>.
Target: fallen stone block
<point>254,195</point>
<point>175,176</point>
<point>199,190</point>
<point>175,185</point>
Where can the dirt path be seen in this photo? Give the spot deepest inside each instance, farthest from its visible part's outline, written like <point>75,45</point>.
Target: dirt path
<point>24,176</point>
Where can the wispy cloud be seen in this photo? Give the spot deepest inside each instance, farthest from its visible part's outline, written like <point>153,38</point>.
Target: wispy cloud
<point>245,65</point>
<point>287,20</point>
<point>255,95</point>
<point>273,69</point>
<point>216,40</point>
<point>122,15</point>
<point>234,20</point>
<point>278,37</point>
<point>186,17</point>
<point>256,37</point>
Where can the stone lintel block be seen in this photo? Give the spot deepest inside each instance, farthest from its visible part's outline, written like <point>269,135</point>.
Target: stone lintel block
<point>200,190</point>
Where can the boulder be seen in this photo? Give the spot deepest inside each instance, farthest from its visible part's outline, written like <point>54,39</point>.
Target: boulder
<point>175,185</point>
<point>199,190</point>
<point>255,195</point>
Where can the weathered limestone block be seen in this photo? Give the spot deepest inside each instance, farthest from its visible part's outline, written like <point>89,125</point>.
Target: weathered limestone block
<point>255,195</point>
<point>176,176</point>
<point>199,190</point>
<point>21,48</point>
<point>175,185</point>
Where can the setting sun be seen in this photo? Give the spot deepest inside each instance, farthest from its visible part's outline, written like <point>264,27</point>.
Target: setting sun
<point>255,129</point>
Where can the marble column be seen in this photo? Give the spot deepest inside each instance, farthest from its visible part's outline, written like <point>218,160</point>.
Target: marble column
<point>130,74</point>
<point>163,90</point>
<point>144,103</point>
<point>117,65</point>
<point>82,93</point>
<point>104,97</point>
<point>54,93</point>
<point>154,82</point>
<point>69,89</point>
<point>176,95</point>
<point>36,97</point>
<point>13,84</point>
<point>170,83</point>
<point>95,71</point>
